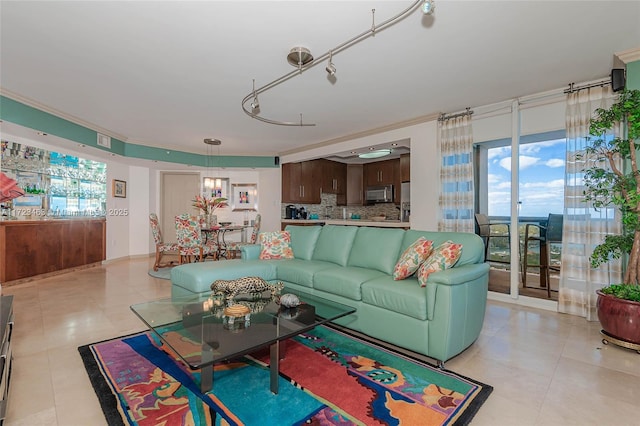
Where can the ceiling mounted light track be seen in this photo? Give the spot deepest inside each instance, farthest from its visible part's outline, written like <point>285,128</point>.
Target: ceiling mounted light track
<point>302,59</point>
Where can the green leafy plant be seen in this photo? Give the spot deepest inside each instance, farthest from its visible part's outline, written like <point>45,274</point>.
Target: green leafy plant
<point>622,291</point>
<point>608,184</point>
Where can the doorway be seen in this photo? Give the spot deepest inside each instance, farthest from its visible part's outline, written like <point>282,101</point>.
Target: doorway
<point>177,191</point>
<point>540,193</point>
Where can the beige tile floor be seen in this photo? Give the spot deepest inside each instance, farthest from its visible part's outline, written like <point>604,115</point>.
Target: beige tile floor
<point>546,368</point>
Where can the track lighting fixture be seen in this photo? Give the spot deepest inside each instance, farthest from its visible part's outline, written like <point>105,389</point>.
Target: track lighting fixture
<point>331,69</point>
<point>302,59</point>
<point>428,7</point>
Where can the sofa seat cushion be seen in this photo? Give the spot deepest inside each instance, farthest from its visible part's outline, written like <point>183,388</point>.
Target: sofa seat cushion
<point>344,281</point>
<point>197,277</point>
<point>405,297</point>
<point>301,271</point>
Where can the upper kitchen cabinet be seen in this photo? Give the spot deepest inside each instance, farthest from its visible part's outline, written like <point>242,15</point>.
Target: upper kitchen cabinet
<point>355,193</point>
<point>301,182</point>
<point>334,177</point>
<point>405,168</point>
<point>385,172</point>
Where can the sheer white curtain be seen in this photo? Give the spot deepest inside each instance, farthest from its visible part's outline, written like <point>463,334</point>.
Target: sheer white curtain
<point>456,174</point>
<point>584,227</point>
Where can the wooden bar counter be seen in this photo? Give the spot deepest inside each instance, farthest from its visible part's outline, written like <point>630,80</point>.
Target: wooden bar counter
<point>35,247</point>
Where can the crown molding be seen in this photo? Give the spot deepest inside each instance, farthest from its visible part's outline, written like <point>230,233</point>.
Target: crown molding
<point>630,55</point>
<point>364,133</point>
<point>61,114</point>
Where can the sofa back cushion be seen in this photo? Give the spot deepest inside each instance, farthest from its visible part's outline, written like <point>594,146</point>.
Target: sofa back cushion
<point>334,244</point>
<point>303,240</point>
<point>472,245</point>
<point>376,248</point>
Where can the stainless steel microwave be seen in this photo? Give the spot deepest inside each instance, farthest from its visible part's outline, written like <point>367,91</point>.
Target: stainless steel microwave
<point>379,194</point>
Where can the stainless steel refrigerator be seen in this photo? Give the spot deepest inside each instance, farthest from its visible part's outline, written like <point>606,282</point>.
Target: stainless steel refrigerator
<point>405,201</point>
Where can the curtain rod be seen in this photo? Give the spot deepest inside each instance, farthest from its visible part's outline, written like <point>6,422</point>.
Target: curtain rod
<point>445,117</point>
<point>573,88</point>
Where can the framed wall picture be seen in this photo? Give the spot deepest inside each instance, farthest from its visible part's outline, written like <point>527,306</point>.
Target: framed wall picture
<point>244,196</point>
<point>215,187</point>
<point>119,188</point>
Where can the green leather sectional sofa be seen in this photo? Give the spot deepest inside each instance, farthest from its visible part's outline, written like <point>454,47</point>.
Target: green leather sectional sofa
<point>354,266</point>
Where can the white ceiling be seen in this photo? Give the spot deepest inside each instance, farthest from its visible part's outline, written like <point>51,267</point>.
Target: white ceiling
<point>170,74</point>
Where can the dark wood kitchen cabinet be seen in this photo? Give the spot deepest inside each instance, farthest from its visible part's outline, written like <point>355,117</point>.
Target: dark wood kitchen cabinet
<point>382,172</point>
<point>405,168</point>
<point>334,177</point>
<point>301,182</point>
<point>355,192</point>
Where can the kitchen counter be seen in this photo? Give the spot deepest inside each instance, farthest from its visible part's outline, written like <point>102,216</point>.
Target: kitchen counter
<point>353,222</point>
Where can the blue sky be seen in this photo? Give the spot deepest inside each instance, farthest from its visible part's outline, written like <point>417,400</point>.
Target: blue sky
<point>542,168</point>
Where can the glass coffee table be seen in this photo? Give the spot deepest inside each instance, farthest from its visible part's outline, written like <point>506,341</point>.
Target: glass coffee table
<point>203,330</point>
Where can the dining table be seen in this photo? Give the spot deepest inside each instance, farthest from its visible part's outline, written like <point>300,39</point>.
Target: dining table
<point>218,232</point>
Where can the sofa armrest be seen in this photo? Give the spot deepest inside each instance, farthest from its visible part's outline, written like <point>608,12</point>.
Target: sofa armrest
<point>459,275</point>
<point>456,276</point>
<point>250,251</point>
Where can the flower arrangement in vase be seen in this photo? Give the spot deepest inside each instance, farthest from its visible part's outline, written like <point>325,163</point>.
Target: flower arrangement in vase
<point>208,206</point>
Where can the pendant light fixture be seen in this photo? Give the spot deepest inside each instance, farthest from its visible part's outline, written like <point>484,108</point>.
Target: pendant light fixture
<point>210,183</point>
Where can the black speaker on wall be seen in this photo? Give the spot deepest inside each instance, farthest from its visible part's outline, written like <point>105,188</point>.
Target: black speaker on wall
<point>277,160</point>
<point>617,79</point>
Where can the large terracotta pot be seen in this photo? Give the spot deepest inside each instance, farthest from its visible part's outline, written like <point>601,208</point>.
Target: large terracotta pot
<point>619,318</point>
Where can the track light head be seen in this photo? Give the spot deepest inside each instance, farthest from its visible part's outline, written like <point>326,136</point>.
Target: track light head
<point>331,69</point>
<point>428,7</point>
<point>255,105</point>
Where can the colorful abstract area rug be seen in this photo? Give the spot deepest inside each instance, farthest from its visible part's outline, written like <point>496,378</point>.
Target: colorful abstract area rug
<point>326,378</point>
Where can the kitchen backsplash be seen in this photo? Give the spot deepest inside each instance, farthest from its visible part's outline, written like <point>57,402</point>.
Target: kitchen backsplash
<point>328,206</point>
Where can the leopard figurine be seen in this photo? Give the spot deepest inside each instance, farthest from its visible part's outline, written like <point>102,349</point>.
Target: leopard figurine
<point>246,285</point>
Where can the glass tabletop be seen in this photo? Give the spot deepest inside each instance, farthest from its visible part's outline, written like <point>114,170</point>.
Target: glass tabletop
<point>203,329</point>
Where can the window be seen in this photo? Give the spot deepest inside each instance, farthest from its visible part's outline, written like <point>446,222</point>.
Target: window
<point>542,176</point>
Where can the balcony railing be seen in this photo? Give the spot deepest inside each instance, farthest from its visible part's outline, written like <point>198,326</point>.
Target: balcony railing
<point>499,246</point>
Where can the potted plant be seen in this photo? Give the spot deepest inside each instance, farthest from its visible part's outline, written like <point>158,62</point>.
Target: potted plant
<point>618,305</point>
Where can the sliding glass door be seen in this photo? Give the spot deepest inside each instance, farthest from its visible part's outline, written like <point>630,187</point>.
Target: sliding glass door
<point>540,178</point>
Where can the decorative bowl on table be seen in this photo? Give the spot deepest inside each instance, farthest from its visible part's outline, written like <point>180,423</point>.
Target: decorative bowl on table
<point>225,223</point>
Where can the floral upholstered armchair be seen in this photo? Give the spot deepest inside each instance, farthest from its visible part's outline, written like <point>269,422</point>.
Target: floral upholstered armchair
<point>161,246</point>
<point>190,242</point>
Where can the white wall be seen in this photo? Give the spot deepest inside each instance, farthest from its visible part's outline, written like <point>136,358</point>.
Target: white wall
<point>119,212</point>
<point>270,196</point>
<point>138,194</point>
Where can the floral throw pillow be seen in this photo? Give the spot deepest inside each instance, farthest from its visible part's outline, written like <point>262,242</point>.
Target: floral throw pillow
<point>276,245</point>
<point>443,257</point>
<point>412,258</point>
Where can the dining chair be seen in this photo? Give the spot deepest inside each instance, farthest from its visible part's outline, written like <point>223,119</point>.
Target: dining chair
<point>161,246</point>
<point>486,230</point>
<point>234,246</point>
<point>548,234</point>
<point>189,236</point>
